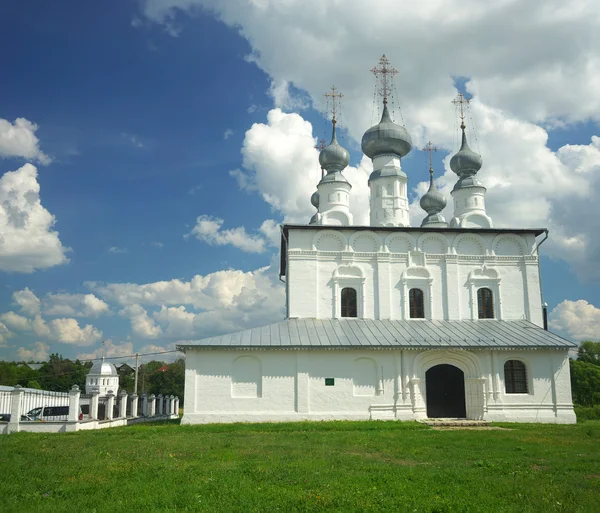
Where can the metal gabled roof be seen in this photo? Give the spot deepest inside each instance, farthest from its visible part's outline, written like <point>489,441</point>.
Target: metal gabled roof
<point>379,334</point>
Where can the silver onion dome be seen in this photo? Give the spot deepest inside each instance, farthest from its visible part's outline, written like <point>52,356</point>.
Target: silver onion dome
<point>433,201</point>
<point>465,161</point>
<point>103,368</point>
<point>334,157</point>
<point>386,138</point>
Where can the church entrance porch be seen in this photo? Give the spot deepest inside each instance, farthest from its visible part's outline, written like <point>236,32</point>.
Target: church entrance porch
<point>445,392</point>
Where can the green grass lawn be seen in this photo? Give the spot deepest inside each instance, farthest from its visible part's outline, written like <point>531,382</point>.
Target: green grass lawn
<point>342,466</point>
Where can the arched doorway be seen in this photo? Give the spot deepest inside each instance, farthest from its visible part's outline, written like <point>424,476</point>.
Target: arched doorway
<point>445,389</point>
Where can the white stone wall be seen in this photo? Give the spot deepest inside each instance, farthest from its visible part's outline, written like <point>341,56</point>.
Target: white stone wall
<point>368,384</point>
<point>448,266</point>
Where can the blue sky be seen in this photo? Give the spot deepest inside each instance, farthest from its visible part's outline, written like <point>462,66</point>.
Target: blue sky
<point>145,110</point>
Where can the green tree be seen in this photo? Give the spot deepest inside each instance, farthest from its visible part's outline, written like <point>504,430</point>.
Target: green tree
<point>170,381</point>
<point>589,352</point>
<point>60,374</point>
<point>585,383</point>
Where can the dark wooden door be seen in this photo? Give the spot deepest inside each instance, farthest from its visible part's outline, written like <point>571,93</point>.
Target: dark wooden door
<point>445,388</point>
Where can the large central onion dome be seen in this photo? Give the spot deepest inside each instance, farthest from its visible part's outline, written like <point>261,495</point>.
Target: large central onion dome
<point>102,368</point>
<point>334,157</point>
<point>465,161</point>
<point>386,138</point>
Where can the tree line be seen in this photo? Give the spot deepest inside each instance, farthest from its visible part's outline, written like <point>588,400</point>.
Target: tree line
<point>60,374</point>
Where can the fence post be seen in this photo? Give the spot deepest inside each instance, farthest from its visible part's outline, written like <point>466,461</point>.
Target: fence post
<point>110,404</point>
<point>151,405</point>
<point>144,404</point>
<point>168,405</point>
<point>16,401</point>
<point>123,404</point>
<point>134,405</point>
<point>172,409</point>
<point>159,400</point>
<point>94,405</point>
<point>177,406</point>
<point>74,395</point>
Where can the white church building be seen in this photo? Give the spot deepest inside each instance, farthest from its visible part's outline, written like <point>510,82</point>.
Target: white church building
<point>391,321</point>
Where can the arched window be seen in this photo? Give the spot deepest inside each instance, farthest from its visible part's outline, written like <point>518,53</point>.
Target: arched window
<point>416,304</point>
<point>515,377</point>
<point>485,303</point>
<point>349,305</point>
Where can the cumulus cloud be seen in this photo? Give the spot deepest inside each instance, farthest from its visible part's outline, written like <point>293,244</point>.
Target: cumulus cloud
<point>28,302</point>
<point>18,139</point>
<point>228,133</point>
<point>15,321</point>
<point>65,331</point>
<point>39,352</point>
<point>578,320</point>
<point>141,324</point>
<point>281,163</point>
<point>209,229</point>
<point>5,334</point>
<point>74,305</point>
<point>27,240</point>
<point>219,302</point>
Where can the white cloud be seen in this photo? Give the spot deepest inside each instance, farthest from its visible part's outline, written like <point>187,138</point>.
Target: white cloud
<point>578,320</point>
<point>281,162</point>
<point>28,302</point>
<point>27,241</point>
<point>228,133</point>
<point>74,305</point>
<point>19,140</point>
<point>134,140</point>
<point>15,321</point>
<point>39,352</point>
<point>209,229</point>
<point>141,325</point>
<point>115,250</point>
<point>66,331</point>
<point>109,349</point>
<point>157,244</point>
<point>5,334</point>
<point>220,302</point>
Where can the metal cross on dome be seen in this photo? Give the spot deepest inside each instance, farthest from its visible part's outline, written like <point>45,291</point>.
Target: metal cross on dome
<point>320,145</point>
<point>430,148</point>
<point>384,73</point>
<point>336,100</point>
<point>461,102</point>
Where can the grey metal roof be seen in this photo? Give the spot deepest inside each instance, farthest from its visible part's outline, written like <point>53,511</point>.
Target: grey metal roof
<point>371,333</point>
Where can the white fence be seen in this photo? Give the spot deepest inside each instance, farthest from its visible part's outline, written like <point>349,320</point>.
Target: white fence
<point>44,411</point>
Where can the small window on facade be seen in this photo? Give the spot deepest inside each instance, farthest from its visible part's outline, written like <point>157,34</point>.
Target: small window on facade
<point>329,382</point>
<point>485,303</point>
<point>349,306</point>
<point>515,377</point>
<point>416,304</point>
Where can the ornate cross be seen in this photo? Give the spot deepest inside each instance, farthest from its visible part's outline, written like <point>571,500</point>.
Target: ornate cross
<point>461,102</point>
<point>336,99</point>
<point>320,145</point>
<point>430,148</point>
<point>384,75</point>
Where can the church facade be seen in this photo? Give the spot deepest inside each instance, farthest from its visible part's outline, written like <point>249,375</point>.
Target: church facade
<point>389,321</point>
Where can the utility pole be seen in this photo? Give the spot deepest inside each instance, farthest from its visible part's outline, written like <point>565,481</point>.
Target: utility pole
<point>137,355</point>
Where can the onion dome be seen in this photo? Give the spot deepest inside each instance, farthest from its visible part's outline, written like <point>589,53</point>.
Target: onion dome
<point>386,138</point>
<point>466,161</point>
<point>314,199</point>
<point>433,201</point>
<point>334,157</point>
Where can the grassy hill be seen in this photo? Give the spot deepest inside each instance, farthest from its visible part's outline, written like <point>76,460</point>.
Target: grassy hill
<point>339,466</point>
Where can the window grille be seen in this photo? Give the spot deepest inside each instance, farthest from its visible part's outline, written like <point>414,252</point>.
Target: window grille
<point>515,377</point>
